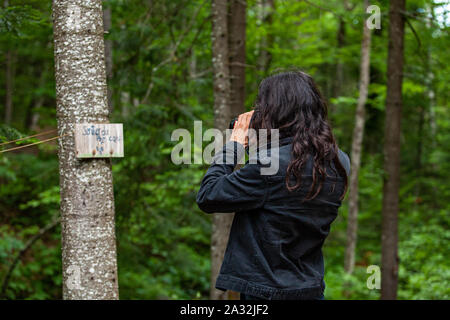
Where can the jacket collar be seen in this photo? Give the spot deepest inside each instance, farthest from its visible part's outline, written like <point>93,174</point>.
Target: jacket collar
<point>286,140</point>
<point>281,142</point>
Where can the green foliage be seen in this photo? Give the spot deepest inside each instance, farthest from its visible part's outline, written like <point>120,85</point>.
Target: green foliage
<point>424,272</point>
<point>8,133</point>
<point>20,21</point>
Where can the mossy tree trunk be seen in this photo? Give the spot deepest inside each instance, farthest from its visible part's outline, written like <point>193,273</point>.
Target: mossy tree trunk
<point>87,199</point>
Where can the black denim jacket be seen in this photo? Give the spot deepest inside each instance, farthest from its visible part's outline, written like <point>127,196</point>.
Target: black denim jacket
<point>275,246</point>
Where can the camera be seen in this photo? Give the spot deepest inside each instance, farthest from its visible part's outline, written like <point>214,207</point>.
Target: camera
<point>233,123</point>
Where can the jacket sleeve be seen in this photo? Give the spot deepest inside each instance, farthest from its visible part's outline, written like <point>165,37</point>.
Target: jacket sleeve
<point>223,190</point>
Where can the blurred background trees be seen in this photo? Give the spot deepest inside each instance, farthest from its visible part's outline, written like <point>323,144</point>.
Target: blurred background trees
<point>161,78</point>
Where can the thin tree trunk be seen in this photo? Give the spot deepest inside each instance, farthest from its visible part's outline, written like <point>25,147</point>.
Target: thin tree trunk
<point>432,102</point>
<point>389,233</point>
<point>358,134</point>
<point>429,84</point>
<point>265,57</point>
<point>9,87</point>
<point>221,222</point>
<point>193,65</point>
<point>419,153</point>
<point>339,80</point>
<point>125,101</point>
<point>9,80</point>
<point>236,45</point>
<point>108,53</point>
<point>236,53</point>
<point>87,199</point>
<point>32,121</point>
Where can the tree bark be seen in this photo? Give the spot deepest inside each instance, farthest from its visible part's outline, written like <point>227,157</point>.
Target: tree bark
<point>236,53</point>
<point>430,86</point>
<point>33,115</point>
<point>265,57</point>
<point>9,87</point>
<point>221,222</point>
<point>108,53</point>
<point>339,65</point>
<point>9,80</point>
<point>389,234</point>
<point>236,45</point>
<point>87,199</point>
<point>358,134</point>
<point>418,165</point>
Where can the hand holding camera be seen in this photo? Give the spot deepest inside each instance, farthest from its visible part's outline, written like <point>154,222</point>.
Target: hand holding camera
<point>240,129</point>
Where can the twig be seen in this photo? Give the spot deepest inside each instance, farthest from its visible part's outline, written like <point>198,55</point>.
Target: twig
<point>200,74</point>
<point>37,236</point>
<point>183,109</point>
<point>199,29</point>
<point>419,43</point>
<point>174,50</point>
<point>240,64</point>
<point>421,18</point>
<point>322,8</point>
<point>28,137</point>
<point>32,144</point>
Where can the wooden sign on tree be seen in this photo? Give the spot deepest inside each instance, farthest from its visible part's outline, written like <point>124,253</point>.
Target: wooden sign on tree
<point>99,140</point>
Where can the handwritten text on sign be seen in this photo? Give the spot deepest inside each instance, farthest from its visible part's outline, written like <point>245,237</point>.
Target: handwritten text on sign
<point>99,140</point>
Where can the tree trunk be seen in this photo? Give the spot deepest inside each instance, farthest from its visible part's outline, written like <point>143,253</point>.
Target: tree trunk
<point>358,134</point>
<point>418,165</point>
<point>236,45</point>
<point>221,222</point>
<point>87,199</point>
<point>430,86</point>
<point>389,234</point>
<point>236,53</point>
<point>9,87</point>
<point>9,80</point>
<point>339,65</point>
<point>108,53</point>
<point>265,57</point>
<point>33,115</point>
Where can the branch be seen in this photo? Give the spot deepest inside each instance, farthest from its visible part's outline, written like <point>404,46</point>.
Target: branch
<point>417,17</point>
<point>184,109</point>
<point>28,245</point>
<point>322,8</point>
<point>200,74</point>
<point>240,64</point>
<point>199,29</point>
<point>419,43</point>
<point>171,56</point>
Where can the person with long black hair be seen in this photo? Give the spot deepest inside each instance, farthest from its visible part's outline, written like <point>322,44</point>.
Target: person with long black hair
<point>282,219</point>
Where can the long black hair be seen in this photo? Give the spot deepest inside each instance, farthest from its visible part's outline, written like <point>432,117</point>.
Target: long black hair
<point>292,103</point>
